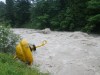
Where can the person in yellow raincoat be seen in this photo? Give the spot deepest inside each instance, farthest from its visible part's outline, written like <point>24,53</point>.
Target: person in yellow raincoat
<point>24,51</point>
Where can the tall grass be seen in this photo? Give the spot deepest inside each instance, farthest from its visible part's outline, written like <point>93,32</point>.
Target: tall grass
<point>9,66</point>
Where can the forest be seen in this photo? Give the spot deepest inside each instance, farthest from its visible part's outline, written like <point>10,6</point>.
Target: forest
<point>59,15</point>
<point>68,50</point>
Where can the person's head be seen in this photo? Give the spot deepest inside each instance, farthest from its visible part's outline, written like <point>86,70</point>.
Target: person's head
<point>34,47</point>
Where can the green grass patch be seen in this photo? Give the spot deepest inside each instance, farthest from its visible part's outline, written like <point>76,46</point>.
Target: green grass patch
<point>9,66</point>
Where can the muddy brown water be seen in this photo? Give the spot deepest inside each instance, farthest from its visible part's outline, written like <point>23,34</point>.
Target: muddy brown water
<point>66,53</point>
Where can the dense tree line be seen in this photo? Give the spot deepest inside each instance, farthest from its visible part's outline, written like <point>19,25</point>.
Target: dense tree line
<point>64,15</point>
<point>2,11</point>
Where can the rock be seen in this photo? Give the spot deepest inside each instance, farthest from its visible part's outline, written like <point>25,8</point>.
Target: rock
<point>46,31</point>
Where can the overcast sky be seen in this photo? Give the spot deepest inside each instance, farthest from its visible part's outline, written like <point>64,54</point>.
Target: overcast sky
<point>2,0</point>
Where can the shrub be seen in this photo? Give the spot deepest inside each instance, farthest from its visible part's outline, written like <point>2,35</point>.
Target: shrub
<point>7,39</point>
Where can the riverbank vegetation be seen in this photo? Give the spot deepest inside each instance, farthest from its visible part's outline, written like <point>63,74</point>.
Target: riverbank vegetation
<point>63,15</point>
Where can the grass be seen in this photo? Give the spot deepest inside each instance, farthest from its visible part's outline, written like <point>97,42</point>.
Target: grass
<point>9,66</point>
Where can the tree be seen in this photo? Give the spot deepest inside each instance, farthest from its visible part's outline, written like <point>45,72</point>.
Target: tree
<point>78,12</point>
<point>10,12</point>
<point>71,16</point>
<point>2,11</point>
<point>22,12</point>
<point>93,16</point>
<point>43,12</point>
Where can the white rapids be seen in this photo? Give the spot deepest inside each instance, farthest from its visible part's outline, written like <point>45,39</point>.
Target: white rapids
<point>66,53</point>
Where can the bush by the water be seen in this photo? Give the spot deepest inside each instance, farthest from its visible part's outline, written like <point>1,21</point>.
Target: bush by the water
<point>7,39</point>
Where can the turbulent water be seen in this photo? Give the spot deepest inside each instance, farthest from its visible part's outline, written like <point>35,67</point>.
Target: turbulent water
<point>66,53</point>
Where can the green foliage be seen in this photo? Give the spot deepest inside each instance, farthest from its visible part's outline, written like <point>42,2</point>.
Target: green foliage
<point>43,21</point>
<point>55,25</point>
<point>64,15</point>
<point>88,28</point>
<point>9,66</point>
<point>71,19</point>
<point>7,39</point>
<point>2,11</point>
<point>10,12</point>
<point>22,12</point>
<point>94,15</point>
<point>67,20</point>
<point>94,4</point>
<point>94,19</point>
<point>17,12</point>
<point>43,12</point>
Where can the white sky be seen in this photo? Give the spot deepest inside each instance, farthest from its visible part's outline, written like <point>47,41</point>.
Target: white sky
<point>2,0</point>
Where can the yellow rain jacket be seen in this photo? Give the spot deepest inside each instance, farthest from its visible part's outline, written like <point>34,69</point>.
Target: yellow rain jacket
<point>23,52</point>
